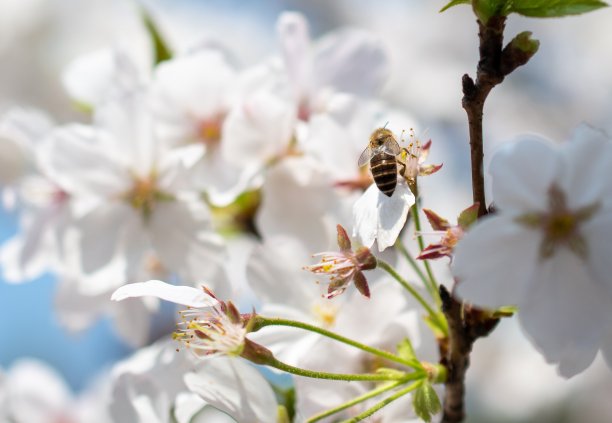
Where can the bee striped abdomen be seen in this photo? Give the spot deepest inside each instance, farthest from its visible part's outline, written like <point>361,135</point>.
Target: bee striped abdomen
<point>384,172</point>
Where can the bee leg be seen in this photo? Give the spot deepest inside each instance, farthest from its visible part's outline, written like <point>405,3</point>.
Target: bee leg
<point>402,170</point>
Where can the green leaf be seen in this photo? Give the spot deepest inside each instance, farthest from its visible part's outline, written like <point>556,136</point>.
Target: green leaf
<point>454,3</point>
<point>486,9</point>
<point>405,350</point>
<point>468,216</point>
<point>286,400</point>
<point>554,8</point>
<point>426,402</point>
<point>525,43</point>
<point>161,49</point>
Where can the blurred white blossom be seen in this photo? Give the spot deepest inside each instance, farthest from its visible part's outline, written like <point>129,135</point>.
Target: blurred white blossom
<point>553,223</point>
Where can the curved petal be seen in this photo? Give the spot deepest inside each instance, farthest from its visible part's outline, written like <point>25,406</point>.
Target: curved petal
<point>235,387</point>
<point>197,85</point>
<point>565,313</point>
<point>173,243</point>
<point>297,191</point>
<point>136,398</point>
<point>79,159</point>
<point>365,216</point>
<point>352,61</point>
<point>275,273</point>
<point>257,130</point>
<point>597,231</point>
<point>184,295</point>
<point>606,348</point>
<point>102,231</point>
<point>377,216</point>
<point>294,38</point>
<point>523,172</point>
<point>132,322</point>
<point>129,122</point>
<point>482,260</point>
<point>587,168</point>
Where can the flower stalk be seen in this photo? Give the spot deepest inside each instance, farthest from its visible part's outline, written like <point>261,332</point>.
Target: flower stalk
<point>371,394</point>
<point>261,322</point>
<point>367,413</point>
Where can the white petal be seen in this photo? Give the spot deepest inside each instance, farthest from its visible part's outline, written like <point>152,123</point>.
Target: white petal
<point>129,122</point>
<point>298,190</point>
<point>588,158</point>
<point>257,129</point>
<point>20,131</point>
<point>210,414</point>
<point>196,85</point>
<point>235,387</point>
<point>495,261</point>
<point>380,217</point>
<point>223,180</point>
<point>275,273</point>
<point>565,313</point>
<point>136,398</point>
<point>523,172</point>
<point>351,61</point>
<point>80,159</point>
<point>597,232</point>
<point>102,231</point>
<point>294,38</point>
<point>184,295</point>
<point>187,406</point>
<point>392,214</point>
<point>606,348</point>
<point>133,322</point>
<point>365,216</point>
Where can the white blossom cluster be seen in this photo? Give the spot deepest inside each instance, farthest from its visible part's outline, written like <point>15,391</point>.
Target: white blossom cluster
<point>155,187</point>
<point>198,172</point>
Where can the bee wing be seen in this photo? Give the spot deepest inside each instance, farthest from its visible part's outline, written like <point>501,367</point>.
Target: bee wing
<point>365,156</point>
<point>391,146</point>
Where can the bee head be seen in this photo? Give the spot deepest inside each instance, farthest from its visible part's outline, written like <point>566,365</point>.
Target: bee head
<point>379,136</point>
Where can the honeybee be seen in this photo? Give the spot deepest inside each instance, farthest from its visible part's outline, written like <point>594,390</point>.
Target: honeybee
<point>381,152</point>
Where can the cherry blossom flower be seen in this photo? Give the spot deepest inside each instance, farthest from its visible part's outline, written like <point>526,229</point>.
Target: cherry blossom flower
<point>335,63</point>
<point>553,224</point>
<point>126,187</point>
<point>213,329</point>
<point>207,327</point>
<point>31,391</point>
<point>192,95</point>
<point>449,234</point>
<point>345,266</point>
<point>413,158</point>
<point>45,207</point>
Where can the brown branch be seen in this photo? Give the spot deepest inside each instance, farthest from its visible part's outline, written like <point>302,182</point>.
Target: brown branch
<point>465,325</point>
<point>495,63</point>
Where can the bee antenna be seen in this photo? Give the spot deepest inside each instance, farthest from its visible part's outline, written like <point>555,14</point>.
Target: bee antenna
<point>385,125</point>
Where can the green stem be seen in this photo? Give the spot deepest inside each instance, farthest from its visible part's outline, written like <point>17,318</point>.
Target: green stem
<point>371,377</point>
<point>383,403</point>
<point>371,394</point>
<point>413,263</point>
<point>390,270</point>
<point>275,321</point>
<point>433,284</point>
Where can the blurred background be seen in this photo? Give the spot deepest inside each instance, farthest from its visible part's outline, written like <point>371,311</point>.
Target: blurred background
<point>569,81</point>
